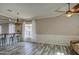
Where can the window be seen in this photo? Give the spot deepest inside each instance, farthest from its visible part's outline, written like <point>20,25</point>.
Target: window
<point>11,28</point>
<point>28,30</point>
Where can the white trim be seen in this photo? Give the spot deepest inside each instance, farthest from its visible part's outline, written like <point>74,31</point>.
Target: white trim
<point>56,39</point>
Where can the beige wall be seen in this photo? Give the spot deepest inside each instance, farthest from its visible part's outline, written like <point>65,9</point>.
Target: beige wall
<point>58,30</point>
<point>59,25</point>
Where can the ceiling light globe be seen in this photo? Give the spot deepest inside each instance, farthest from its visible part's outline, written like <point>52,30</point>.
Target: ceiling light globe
<point>69,14</point>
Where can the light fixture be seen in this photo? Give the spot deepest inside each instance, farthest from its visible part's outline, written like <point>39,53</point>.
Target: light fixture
<point>69,14</point>
<point>17,17</point>
<point>18,20</point>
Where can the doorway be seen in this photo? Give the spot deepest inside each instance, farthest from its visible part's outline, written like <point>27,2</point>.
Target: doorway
<point>27,32</point>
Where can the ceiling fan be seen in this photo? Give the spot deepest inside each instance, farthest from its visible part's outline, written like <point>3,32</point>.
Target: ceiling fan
<point>71,11</point>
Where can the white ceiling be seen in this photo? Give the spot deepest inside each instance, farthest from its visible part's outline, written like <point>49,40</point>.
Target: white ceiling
<point>32,10</point>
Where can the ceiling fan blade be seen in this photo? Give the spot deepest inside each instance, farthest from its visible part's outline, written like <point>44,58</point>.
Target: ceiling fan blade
<point>75,9</point>
<point>76,6</point>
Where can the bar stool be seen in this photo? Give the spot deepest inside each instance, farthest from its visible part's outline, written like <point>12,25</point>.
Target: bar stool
<point>11,40</point>
<point>7,40</point>
<point>2,41</point>
<point>15,39</point>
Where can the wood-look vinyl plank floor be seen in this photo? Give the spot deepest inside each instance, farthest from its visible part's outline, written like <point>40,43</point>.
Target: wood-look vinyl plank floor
<point>28,48</point>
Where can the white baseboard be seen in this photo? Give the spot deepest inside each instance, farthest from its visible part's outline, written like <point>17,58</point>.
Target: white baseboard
<point>56,39</point>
